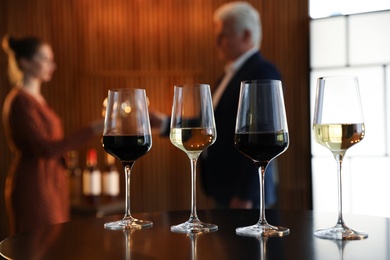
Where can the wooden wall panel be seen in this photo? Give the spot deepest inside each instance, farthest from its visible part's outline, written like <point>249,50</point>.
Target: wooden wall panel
<point>154,44</point>
<point>4,153</point>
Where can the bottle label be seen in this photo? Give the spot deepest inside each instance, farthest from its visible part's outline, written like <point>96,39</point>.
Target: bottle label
<point>92,183</point>
<point>111,183</point>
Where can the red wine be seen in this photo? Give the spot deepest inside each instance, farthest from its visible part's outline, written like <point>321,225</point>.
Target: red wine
<point>261,147</point>
<point>127,148</point>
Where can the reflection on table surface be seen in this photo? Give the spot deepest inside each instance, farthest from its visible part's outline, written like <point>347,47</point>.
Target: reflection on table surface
<point>87,239</point>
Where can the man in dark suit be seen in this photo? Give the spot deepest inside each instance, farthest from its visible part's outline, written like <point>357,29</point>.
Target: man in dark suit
<point>227,175</point>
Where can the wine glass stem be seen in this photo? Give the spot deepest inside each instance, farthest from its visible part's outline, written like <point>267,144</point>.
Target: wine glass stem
<point>262,219</point>
<point>263,247</point>
<point>193,215</point>
<point>128,166</point>
<point>339,160</point>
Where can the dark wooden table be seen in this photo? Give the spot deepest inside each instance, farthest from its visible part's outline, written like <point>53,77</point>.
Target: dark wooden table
<point>87,239</point>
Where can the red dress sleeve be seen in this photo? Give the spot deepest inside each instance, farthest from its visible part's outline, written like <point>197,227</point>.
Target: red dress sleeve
<point>37,130</point>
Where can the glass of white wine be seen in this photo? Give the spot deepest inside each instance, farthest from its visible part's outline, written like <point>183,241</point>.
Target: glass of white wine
<point>338,124</point>
<point>192,131</point>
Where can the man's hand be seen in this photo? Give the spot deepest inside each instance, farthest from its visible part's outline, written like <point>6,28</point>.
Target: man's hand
<point>156,118</point>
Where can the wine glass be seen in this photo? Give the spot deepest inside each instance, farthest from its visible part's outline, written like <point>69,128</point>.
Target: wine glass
<point>192,131</point>
<point>261,134</point>
<point>127,136</point>
<point>194,240</point>
<point>263,247</point>
<point>338,124</point>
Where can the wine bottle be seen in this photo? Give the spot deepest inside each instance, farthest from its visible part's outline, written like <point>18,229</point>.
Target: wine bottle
<point>73,172</point>
<point>110,179</point>
<point>92,179</point>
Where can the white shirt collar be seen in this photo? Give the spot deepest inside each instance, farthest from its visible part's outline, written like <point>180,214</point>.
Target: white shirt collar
<point>236,65</point>
<point>230,71</point>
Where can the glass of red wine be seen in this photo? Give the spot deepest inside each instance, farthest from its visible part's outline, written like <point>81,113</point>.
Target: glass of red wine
<point>261,134</point>
<point>127,136</point>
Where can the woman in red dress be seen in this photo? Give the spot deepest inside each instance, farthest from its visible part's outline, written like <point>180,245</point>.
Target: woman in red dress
<point>36,186</point>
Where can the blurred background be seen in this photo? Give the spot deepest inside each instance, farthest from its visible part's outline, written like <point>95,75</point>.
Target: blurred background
<point>350,37</point>
<point>154,44</point>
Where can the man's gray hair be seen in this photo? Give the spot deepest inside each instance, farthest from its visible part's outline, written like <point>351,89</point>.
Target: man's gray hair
<point>244,17</point>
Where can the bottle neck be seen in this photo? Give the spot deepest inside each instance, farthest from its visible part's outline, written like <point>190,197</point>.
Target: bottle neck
<point>91,161</point>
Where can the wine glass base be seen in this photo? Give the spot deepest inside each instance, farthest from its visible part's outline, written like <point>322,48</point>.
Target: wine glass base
<point>340,232</point>
<point>127,224</point>
<point>264,230</point>
<point>194,227</point>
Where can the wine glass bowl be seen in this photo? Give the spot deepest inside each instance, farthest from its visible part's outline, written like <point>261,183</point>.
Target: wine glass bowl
<point>193,130</point>
<point>261,134</point>
<point>127,136</point>
<point>338,125</point>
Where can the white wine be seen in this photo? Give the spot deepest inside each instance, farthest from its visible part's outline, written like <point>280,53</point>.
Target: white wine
<point>338,137</point>
<point>192,139</point>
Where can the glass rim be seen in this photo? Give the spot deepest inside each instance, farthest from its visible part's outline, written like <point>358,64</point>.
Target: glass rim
<point>338,77</point>
<point>261,81</point>
<point>191,85</point>
<point>125,89</point>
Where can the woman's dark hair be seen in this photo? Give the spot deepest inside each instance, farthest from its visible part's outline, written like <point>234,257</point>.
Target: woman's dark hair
<point>24,47</point>
<point>16,49</point>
